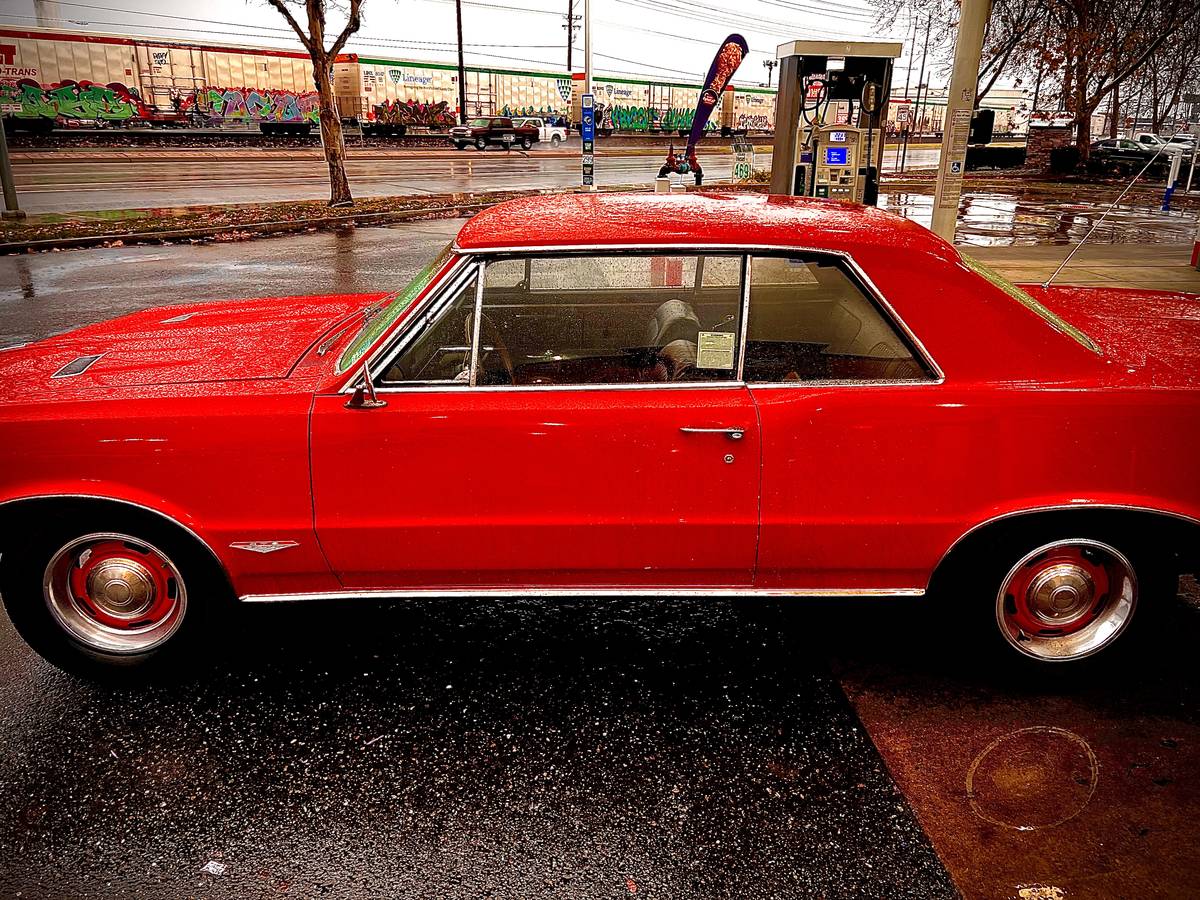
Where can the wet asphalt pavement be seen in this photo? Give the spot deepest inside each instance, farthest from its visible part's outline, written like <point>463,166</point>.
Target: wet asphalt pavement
<point>575,749</point>
<point>527,749</point>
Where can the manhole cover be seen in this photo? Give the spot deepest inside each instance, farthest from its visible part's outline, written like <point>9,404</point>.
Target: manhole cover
<point>1033,778</point>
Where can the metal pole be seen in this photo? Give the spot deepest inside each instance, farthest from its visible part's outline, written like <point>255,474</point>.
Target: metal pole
<point>587,46</point>
<point>570,32</point>
<point>462,69</point>
<point>1192,168</point>
<point>960,104</point>
<point>11,209</point>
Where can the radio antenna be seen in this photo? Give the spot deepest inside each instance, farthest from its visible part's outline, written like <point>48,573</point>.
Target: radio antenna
<point>1111,207</point>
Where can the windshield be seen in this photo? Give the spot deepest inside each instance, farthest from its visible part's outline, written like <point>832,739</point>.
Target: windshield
<point>1055,321</point>
<point>389,310</point>
<point>480,123</point>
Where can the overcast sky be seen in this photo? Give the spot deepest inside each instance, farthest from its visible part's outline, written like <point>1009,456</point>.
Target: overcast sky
<point>671,39</point>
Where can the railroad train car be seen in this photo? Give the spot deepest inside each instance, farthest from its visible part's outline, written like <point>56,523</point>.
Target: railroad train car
<point>52,77</point>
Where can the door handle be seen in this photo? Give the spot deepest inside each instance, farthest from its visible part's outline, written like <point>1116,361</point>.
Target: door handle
<point>734,434</point>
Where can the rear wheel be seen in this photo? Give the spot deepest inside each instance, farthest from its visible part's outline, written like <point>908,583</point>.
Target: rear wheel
<point>1042,593</point>
<point>134,596</point>
<point>1067,600</point>
<point>555,140</point>
<point>526,143</point>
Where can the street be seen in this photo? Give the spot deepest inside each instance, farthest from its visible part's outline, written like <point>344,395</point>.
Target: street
<point>78,180</point>
<point>585,748</point>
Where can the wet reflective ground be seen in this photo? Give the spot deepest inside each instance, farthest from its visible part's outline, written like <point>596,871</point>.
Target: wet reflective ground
<point>1028,214</point>
<point>542,749</point>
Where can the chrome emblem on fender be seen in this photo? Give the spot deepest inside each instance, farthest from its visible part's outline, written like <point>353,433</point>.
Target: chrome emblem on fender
<point>263,546</point>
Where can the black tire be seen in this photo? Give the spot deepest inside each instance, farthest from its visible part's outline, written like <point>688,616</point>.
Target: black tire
<point>24,565</point>
<point>526,143</point>
<point>975,580</point>
<point>555,140</point>
<point>461,145</point>
<point>481,143</point>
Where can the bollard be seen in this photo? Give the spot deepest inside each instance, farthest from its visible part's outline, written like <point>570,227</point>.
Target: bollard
<point>662,185</point>
<point>1172,177</point>
<point>1196,249</point>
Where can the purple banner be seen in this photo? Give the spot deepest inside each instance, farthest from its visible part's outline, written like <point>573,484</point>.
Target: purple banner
<point>729,57</point>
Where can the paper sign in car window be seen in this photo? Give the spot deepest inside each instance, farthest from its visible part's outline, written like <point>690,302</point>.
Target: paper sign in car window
<point>714,350</point>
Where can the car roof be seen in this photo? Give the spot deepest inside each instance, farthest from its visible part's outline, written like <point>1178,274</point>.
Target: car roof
<point>702,218</point>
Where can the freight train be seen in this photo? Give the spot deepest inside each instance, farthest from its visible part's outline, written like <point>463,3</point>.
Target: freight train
<point>58,78</point>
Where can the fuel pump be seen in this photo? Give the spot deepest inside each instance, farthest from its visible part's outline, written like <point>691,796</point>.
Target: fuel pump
<point>837,159</point>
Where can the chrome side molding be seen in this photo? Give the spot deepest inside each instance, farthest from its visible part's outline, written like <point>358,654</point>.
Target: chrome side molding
<point>463,593</point>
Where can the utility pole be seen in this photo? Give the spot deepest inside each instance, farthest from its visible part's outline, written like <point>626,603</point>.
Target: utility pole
<point>770,65</point>
<point>462,69</point>
<point>960,106</point>
<point>587,46</point>
<point>11,208</point>
<point>570,26</point>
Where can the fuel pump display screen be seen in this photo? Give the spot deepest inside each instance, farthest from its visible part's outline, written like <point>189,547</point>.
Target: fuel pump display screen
<point>837,156</point>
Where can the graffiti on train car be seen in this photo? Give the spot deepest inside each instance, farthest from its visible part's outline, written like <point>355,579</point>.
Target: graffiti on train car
<point>542,112</point>
<point>643,118</point>
<point>83,100</point>
<point>414,113</point>
<point>253,105</point>
<point>754,122</point>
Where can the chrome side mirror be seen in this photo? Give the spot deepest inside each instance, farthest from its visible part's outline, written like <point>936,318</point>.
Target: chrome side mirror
<point>364,396</point>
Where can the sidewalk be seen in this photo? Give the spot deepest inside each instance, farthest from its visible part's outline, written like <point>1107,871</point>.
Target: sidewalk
<point>1164,267</point>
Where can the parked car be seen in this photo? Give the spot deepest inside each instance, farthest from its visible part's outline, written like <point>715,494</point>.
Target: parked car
<point>1176,146</point>
<point>1123,157</point>
<point>701,394</point>
<point>547,133</point>
<point>481,133</point>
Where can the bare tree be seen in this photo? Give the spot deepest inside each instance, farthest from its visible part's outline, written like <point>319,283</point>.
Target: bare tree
<point>323,59</point>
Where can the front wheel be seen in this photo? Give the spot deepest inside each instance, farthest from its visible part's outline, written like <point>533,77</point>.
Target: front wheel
<point>461,145</point>
<point>481,143</point>
<point>98,602</point>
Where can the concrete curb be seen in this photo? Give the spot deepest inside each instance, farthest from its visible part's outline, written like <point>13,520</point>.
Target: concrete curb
<point>445,208</point>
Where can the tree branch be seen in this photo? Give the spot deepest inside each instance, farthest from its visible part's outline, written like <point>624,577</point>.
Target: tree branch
<point>353,23</point>
<point>287,14</point>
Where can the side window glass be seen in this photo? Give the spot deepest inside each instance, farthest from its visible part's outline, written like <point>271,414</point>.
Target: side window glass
<point>437,347</point>
<point>809,321</point>
<point>610,319</point>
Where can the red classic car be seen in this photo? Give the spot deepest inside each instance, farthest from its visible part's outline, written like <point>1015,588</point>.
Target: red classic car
<point>711,394</point>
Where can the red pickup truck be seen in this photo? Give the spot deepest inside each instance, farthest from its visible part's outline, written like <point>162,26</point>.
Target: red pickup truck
<point>494,130</point>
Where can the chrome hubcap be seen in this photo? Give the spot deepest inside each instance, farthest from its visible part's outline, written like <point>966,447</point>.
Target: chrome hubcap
<point>123,588</point>
<point>1066,600</point>
<point>1061,594</point>
<point>115,593</point>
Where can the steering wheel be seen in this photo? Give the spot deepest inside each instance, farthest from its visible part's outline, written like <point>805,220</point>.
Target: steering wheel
<point>494,336</point>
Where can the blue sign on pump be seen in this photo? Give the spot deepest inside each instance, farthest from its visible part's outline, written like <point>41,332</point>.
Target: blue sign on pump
<point>587,132</point>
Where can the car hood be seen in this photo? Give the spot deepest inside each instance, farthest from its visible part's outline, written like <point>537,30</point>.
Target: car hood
<point>1150,335</point>
<point>233,340</point>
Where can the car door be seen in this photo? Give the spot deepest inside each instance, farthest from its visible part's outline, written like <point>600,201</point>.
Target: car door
<point>847,417</point>
<point>570,421</point>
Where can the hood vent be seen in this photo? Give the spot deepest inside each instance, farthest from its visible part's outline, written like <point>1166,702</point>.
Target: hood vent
<point>77,366</point>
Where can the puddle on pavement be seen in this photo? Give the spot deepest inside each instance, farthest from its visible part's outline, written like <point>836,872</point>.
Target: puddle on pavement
<point>1007,219</point>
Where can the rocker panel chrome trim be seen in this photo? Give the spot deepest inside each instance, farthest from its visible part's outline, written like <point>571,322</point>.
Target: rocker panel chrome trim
<point>440,593</point>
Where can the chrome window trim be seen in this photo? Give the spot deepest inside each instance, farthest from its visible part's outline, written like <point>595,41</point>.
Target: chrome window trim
<point>478,257</point>
<point>392,346</point>
<point>443,593</point>
<point>744,318</point>
<point>641,386</point>
<point>477,324</point>
<point>852,263</point>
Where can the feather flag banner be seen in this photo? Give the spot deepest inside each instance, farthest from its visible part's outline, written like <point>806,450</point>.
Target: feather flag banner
<point>733,50</point>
